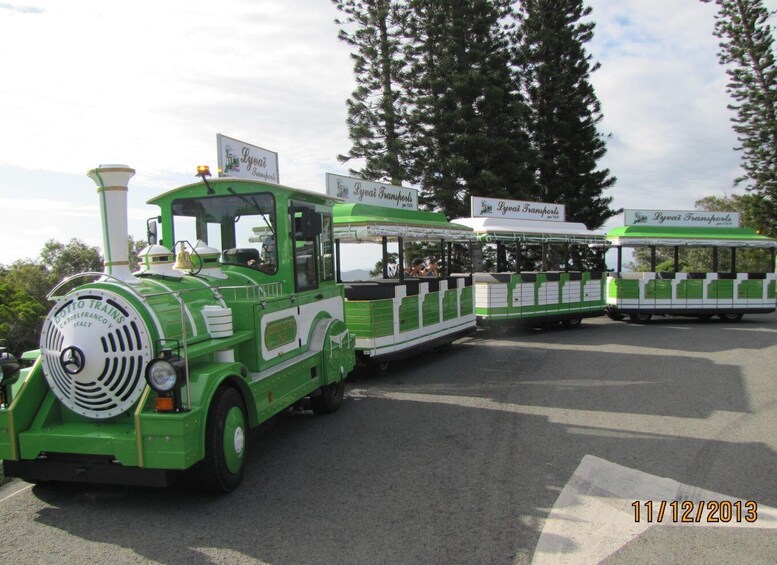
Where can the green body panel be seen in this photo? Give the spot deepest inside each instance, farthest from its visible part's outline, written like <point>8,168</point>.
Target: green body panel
<point>659,290</point>
<point>370,318</point>
<point>450,305</point>
<point>431,309</point>
<point>408,314</point>
<point>545,298</point>
<point>770,290</point>
<point>29,392</point>
<point>623,288</point>
<point>690,289</point>
<point>338,352</point>
<point>750,289</point>
<point>721,289</point>
<point>467,303</point>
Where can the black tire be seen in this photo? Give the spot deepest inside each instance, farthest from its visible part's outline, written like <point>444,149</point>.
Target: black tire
<point>615,316</point>
<point>222,468</point>
<point>640,318</point>
<point>330,399</point>
<point>730,317</point>
<point>572,323</point>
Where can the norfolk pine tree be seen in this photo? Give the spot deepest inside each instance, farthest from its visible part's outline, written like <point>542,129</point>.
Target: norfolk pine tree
<point>747,51</point>
<point>376,112</point>
<point>467,120</point>
<point>553,69</point>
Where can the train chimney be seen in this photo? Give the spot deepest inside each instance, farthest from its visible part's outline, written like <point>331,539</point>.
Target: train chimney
<point>112,181</point>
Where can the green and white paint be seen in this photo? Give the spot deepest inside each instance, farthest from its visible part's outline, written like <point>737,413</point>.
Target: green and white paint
<point>531,296</point>
<point>657,293</point>
<point>403,322</point>
<point>695,294</point>
<point>394,315</point>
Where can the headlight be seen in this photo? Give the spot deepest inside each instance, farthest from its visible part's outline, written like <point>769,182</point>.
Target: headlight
<point>161,375</point>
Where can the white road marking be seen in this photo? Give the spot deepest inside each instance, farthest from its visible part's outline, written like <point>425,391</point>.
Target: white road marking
<point>19,486</point>
<point>594,515</point>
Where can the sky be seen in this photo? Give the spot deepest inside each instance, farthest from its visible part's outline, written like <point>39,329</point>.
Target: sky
<point>150,84</point>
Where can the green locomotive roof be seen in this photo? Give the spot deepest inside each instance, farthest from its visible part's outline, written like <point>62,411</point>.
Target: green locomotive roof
<point>634,236</point>
<point>241,186</point>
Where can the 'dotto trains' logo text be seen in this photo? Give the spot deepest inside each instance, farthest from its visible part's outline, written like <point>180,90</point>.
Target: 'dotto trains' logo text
<point>89,313</point>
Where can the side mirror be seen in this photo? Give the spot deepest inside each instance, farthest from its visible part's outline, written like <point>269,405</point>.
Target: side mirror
<point>307,225</point>
<point>151,231</point>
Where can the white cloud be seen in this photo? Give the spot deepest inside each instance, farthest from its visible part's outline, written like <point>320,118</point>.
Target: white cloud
<point>151,83</point>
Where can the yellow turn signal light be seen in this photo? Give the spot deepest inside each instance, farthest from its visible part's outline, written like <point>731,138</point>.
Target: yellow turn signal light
<point>165,404</point>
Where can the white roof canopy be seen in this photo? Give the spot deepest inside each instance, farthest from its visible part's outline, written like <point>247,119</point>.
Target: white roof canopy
<point>531,231</point>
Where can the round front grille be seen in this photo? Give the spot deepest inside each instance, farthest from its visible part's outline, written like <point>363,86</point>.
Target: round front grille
<point>95,348</point>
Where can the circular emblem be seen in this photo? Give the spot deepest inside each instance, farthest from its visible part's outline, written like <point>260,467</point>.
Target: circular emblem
<point>72,360</point>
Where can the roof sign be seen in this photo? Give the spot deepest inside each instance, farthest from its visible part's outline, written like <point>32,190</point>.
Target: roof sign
<point>244,161</point>
<point>517,209</point>
<point>681,218</point>
<point>359,191</point>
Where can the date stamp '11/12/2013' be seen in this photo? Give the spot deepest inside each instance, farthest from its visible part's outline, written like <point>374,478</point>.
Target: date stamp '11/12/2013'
<point>689,512</point>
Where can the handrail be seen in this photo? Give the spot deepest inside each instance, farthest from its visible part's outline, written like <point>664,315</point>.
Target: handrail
<point>265,290</point>
<point>63,282</point>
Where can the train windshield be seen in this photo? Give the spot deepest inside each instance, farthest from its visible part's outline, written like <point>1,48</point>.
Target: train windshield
<point>242,226</point>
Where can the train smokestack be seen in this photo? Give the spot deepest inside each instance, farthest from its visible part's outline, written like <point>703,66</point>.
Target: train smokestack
<point>112,182</point>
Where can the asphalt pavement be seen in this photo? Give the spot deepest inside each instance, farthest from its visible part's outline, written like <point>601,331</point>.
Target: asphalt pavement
<point>527,446</point>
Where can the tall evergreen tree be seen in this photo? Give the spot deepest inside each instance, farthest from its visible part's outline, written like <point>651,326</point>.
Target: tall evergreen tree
<point>747,50</point>
<point>553,69</point>
<point>467,119</point>
<point>376,119</point>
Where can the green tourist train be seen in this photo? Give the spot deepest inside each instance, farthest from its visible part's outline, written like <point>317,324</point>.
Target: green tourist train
<point>141,375</point>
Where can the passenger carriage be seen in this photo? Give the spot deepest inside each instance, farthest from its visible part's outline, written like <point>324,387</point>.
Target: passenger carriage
<point>728,295</point>
<point>510,296</point>
<point>394,316</point>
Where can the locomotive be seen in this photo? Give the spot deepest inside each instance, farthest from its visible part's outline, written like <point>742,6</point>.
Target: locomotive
<point>143,375</point>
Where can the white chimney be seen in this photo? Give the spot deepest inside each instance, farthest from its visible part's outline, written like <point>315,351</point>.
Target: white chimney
<point>112,181</point>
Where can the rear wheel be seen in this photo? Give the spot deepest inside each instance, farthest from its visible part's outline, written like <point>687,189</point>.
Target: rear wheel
<point>330,399</point>
<point>225,443</point>
<point>731,317</point>
<point>640,318</point>
<point>572,323</point>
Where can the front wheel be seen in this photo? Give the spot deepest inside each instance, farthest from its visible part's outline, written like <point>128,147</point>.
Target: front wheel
<point>730,317</point>
<point>329,399</point>
<point>640,318</point>
<point>225,443</point>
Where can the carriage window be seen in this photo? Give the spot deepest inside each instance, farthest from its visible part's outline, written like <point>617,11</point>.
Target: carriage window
<point>327,268</point>
<point>241,225</point>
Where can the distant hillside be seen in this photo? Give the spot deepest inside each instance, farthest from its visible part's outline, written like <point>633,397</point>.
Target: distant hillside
<point>356,275</point>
